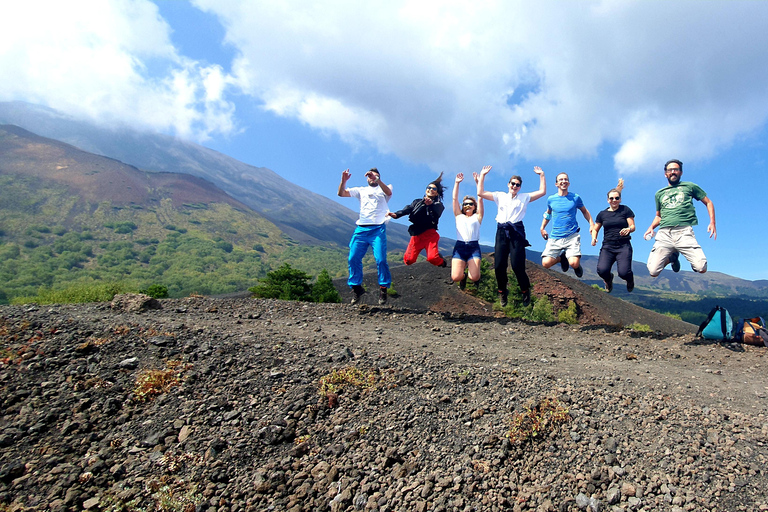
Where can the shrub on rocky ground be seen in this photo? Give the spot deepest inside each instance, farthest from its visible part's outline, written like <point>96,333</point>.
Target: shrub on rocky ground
<point>537,420</point>
<point>569,315</point>
<point>151,383</point>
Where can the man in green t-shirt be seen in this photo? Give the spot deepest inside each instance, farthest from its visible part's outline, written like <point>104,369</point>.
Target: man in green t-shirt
<point>676,216</point>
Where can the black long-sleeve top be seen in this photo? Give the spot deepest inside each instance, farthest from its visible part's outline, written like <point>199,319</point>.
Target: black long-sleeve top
<point>422,216</point>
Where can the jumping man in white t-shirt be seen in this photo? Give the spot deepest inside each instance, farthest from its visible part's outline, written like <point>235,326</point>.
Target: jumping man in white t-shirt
<point>371,231</point>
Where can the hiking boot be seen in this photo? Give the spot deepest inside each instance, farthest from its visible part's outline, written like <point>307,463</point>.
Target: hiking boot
<point>463,283</point>
<point>382,295</point>
<point>443,264</point>
<point>630,284</point>
<point>358,291</point>
<point>578,271</point>
<point>503,297</point>
<point>609,284</point>
<point>564,262</point>
<point>526,298</point>
<point>674,260</point>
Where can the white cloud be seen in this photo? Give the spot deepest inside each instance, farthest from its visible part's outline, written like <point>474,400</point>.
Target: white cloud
<point>429,80</point>
<point>109,61</point>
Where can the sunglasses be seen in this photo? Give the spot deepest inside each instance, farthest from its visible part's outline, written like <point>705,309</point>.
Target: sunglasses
<point>431,188</point>
<point>515,184</point>
<point>468,204</point>
<point>614,198</point>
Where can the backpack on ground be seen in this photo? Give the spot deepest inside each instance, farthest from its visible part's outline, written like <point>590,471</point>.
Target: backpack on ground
<point>752,331</point>
<point>717,326</point>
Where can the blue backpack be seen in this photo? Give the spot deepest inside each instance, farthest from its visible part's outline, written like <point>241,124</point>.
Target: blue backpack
<point>717,326</point>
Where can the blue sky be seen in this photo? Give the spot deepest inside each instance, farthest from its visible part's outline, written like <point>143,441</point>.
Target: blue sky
<point>600,90</point>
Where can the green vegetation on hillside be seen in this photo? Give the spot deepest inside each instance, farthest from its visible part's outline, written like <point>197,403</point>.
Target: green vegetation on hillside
<point>182,263</point>
<point>185,264</point>
<point>540,309</point>
<point>315,259</point>
<point>55,248</point>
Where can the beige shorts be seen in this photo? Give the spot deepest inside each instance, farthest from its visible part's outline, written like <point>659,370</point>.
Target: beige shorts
<point>671,240</point>
<point>570,244</point>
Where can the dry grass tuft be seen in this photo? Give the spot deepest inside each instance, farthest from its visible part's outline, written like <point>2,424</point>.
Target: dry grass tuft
<point>538,420</point>
<point>151,383</point>
<point>335,382</point>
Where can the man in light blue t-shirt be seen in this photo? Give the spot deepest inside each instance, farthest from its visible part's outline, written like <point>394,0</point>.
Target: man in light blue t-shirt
<point>564,242</point>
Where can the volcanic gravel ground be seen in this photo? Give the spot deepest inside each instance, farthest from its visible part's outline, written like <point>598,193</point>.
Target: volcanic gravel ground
<point>656,423</point>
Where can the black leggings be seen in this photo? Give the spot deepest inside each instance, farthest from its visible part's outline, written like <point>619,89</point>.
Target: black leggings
<point>514,249</point>
<point>622,255</point>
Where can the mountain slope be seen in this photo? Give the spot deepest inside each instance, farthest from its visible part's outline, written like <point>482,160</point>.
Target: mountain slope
<point>96,178</point>
<point>303,215</point>
<point>71,217</point>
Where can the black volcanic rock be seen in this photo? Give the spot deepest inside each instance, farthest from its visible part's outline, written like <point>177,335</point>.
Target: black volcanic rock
<point>657,423</point>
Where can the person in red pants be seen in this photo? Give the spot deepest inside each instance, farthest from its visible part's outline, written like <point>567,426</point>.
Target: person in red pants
<point>424,213</point>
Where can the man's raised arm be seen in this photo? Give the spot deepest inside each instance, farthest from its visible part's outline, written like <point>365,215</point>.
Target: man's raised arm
<point>343,192</point>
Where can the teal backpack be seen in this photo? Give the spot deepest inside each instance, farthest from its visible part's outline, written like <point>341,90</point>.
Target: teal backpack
<point>717,326</point>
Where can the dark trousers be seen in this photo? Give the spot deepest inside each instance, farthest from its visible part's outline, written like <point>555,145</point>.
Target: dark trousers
<point>622,255</point>
<point>514,249</point>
